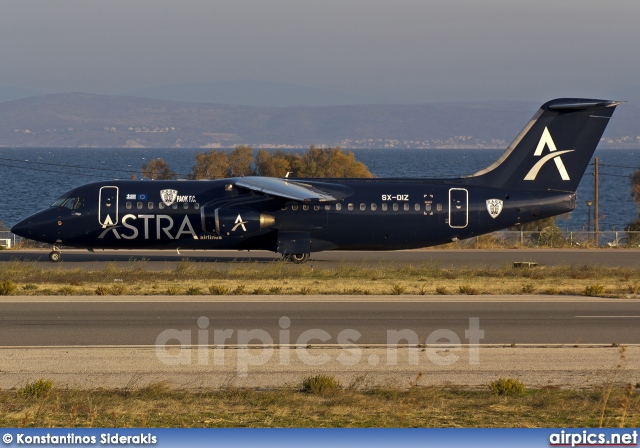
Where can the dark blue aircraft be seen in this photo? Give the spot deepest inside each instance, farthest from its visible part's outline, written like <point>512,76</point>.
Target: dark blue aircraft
<point>535,178</point>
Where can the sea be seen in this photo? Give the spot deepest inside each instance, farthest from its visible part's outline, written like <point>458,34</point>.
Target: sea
<point>33,178</point>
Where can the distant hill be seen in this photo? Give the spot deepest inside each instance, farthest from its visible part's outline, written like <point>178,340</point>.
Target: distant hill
<point>84,120</point>
<point>14,93</point>
<point>252,93</point>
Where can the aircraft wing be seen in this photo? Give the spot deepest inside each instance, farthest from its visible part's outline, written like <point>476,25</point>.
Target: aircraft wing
<point>295,190</point>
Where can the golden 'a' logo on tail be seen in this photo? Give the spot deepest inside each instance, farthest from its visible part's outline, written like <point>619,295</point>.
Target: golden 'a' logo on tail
<point>554,154</point>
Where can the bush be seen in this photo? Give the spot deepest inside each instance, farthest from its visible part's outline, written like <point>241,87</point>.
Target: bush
<point>528,288</point>
<point>193,291</point>
<point>36,389</point>
<point>397,289</point>
<point>469,290</point>
<point>240,290</point>
<point>594,290</point>
<point>118,290</point>
<point>172,291</point>
<point>507,387</point>
<point>65,291</point>
<point>218,290</point>
<point>102,291</point>
<point>552,237</point>
<point>441,290</point>
<point>7,288</point>
<point>320,384</point>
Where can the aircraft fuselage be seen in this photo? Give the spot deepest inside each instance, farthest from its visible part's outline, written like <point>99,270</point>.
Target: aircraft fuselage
<point>379,215</point>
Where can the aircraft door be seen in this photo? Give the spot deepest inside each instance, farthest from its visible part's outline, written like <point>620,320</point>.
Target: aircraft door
<point>108,206</point>
<point>458,208</point>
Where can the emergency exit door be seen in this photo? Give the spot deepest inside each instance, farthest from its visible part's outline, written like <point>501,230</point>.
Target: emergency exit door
<point>458,208</point>
<point>108,206</point>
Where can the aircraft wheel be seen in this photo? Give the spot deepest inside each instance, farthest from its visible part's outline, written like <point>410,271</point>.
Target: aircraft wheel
<point>55,256</point>
<point>298,258</point>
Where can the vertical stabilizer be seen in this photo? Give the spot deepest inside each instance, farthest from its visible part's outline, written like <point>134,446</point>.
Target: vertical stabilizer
<point>553,150</point>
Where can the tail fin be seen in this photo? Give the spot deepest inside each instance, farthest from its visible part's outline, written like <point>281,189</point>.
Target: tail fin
<point>553,150</point>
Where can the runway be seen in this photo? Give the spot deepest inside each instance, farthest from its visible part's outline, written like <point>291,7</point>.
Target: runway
<point>129,341</point>
<point>546,341</point>
<point>34,322</point>
<point>156,259</point>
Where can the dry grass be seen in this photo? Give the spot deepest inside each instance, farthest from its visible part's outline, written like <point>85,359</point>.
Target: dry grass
<point>159,405</point>
<point>278,278</point>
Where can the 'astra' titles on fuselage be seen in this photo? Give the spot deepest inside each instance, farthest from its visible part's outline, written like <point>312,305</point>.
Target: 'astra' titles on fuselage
<point>160,230</point>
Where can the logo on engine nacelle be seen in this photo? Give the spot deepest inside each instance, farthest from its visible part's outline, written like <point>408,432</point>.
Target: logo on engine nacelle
<point>554,154</point>
<point>239,223</point>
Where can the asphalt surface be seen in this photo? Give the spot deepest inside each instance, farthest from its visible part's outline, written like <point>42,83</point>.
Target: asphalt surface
<point>157,259</point>
<point>504,320</point>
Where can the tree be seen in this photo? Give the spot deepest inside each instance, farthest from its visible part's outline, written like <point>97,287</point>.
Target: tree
<point>275,164</point>
<point>241,161</point>
<point>634,238</point>
<point>328,162</point>
<point>213,165</point>
<point>158,169</point>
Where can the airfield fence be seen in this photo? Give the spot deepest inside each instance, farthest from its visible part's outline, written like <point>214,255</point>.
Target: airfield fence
<point>555,237</point>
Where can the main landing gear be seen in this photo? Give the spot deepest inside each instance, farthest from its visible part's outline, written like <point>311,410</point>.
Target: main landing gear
<point>55,255</point>
<point>296,258</point>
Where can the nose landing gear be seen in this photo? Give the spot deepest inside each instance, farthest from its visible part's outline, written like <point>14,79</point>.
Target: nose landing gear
<point>55,255</point>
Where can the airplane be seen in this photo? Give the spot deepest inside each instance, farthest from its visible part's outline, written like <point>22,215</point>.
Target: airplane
<point>535,178</point>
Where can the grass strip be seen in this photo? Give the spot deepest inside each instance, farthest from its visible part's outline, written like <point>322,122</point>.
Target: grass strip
<point>276,278</point>
<point>159,405</point>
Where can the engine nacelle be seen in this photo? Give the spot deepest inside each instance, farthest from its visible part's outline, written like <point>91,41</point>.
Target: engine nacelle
<point>236,222</point>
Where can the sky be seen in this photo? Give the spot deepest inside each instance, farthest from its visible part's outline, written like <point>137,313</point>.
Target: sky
<point>400,51</point>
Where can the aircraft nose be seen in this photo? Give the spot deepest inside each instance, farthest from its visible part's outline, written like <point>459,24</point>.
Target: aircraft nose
<point>40,227</point>
<point>23,228</point>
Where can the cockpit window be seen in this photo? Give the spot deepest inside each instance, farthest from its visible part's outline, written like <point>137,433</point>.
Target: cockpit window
<point>70,203</point>
<point>58,202</point>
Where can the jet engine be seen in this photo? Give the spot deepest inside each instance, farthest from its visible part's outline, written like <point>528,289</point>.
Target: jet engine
<point>235,221</point>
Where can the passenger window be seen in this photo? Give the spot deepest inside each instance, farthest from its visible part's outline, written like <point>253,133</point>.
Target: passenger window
<point>417,207</point>
<point>150,205</point>
<point>428,207</point>
<point>185,205</point>
<point>395,207</point>
<point>305,207</point>
<point>327,207</point>
<point>350,207</point>
<point>139,205</point>
<point>197,206</point>
<point>316,207</point>
<point>406,207</point>
<point>161,205</point>
<point>338,207</point>
<point>128,205</point>
<point>294,208</point>
<point>374,207</point>
<point>439,207</point>
<point>384,207</point>
<point>363,207</point>
<point>175,206</point>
